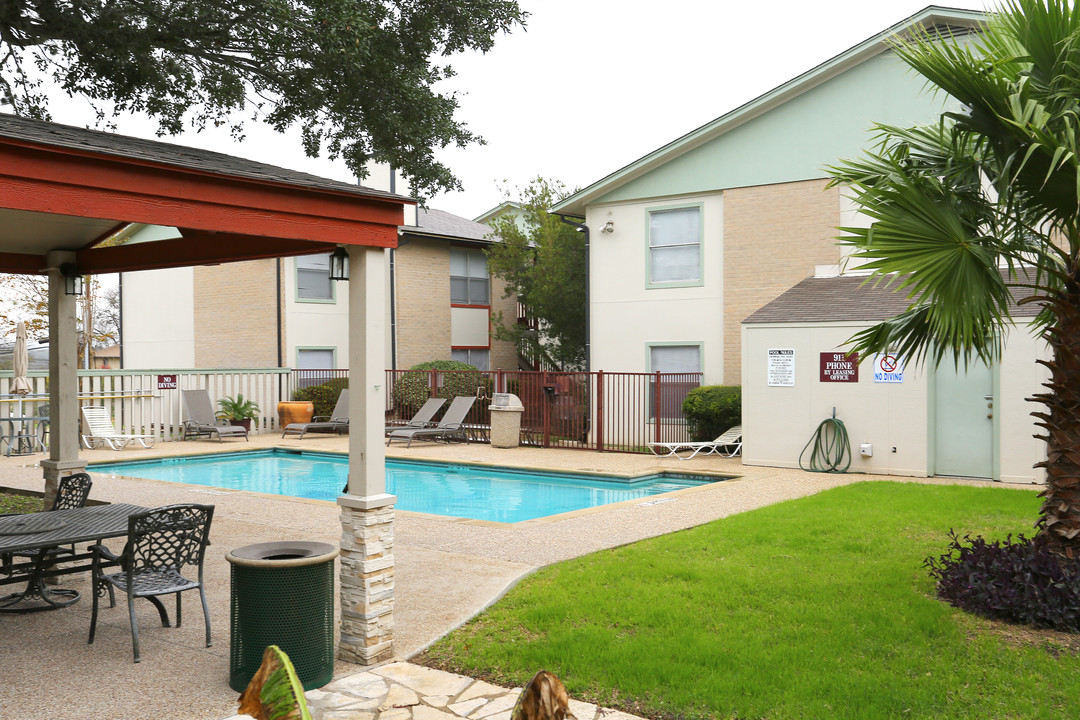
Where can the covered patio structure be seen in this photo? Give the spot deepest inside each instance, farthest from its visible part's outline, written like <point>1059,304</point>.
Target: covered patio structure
<point>63,190</point>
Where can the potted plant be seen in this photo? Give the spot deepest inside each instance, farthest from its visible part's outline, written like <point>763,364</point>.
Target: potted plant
<point>238,411</point>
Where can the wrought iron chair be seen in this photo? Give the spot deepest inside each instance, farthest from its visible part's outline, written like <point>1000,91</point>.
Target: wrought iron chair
<point>160,543</point>
<point>71,493</point>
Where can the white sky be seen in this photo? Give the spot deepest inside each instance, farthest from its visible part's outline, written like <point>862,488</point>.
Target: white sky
<point>589,87</point>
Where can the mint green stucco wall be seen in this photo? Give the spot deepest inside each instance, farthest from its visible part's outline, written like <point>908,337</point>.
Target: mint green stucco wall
<point>796,140</point>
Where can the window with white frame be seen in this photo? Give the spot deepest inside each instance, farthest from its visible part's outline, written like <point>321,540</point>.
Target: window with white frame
<point>315,359</point>
<point>469,284</point>
<point>684,364</point>
<point>479,358</point>
<point>313,278</point>
<point>675,246</point>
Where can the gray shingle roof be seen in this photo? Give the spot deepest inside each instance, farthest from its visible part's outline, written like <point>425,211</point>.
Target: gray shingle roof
<point>440,222</point>
<point>125,146</point>
<point>847,298</point>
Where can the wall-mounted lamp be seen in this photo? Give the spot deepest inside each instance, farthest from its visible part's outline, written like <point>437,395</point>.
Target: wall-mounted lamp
<point>73,280</point>
<point>339,264</point>
<point>609,227</point>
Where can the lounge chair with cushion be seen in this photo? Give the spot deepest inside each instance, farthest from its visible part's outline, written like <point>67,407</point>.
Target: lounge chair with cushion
<point>451,426</point>
<point>201,419</point>
<point>729,444</point>
<point>98,430</point>
<point>423,416</point>
<point>336,422</point>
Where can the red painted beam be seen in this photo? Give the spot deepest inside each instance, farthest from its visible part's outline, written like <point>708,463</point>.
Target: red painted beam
<point>195,248</point>
<point>22,264</point>
<point>53,180</point>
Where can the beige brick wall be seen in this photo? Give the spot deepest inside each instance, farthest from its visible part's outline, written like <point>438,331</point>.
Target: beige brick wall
<point>236,315</point>
<point>422,285</point>
<point>423,307</point>
<point>774,235</point>
<point>503,354</point>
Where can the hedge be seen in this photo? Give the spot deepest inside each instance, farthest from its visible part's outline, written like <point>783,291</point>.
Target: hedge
<point>324,396</point>
<point>711,409</point>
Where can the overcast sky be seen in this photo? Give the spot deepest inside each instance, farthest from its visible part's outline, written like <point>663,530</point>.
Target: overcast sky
<point>588,87</point>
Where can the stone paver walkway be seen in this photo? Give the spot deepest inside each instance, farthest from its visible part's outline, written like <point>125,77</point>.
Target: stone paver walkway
<point>403,691</point>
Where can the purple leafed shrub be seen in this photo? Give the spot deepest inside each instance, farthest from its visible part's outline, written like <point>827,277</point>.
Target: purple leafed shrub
<point>1017,581</point>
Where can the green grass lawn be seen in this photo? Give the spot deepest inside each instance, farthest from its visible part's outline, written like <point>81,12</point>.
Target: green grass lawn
<point>19,504</point>
<point>813,608</point>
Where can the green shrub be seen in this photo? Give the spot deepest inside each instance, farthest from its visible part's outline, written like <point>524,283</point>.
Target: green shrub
<point>712,409</point>
<point>324,397</point>
<point>413,388</point>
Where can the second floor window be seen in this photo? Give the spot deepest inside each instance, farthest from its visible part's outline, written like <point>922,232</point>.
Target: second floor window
<point>313,278</point>
<point>469,284</point>
<point>675,246</point>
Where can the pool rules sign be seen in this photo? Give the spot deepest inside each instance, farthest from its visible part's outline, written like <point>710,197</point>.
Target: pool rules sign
<point>839,367</point>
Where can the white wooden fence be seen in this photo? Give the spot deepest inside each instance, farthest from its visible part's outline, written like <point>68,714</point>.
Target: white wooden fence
<point>138,406</point>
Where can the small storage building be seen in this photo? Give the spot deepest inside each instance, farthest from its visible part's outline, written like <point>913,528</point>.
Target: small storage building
<point>901,418</point>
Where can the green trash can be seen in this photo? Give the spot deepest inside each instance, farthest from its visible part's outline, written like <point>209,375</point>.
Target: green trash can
<point>283,594</point>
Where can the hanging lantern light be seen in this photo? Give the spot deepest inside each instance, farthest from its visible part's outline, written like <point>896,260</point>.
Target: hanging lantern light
<point>339,264</point>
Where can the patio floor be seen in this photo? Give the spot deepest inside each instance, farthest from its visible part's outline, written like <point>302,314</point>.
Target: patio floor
<point>447,570</point>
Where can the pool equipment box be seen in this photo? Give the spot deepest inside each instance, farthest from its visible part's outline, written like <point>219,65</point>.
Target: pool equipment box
<point>506,410</point>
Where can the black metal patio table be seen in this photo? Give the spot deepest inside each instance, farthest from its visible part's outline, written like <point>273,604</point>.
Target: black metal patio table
<point>50,529</point>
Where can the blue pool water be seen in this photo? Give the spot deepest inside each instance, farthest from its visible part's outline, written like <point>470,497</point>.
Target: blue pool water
<point>481,493</point>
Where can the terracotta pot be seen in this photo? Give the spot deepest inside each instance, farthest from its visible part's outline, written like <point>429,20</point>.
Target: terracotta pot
<point>294,411</point>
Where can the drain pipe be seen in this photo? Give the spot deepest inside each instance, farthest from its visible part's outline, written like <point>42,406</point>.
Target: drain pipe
<point>583,228</point>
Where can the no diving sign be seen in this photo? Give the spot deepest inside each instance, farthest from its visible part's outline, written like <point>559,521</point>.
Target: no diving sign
<point>888,368</point>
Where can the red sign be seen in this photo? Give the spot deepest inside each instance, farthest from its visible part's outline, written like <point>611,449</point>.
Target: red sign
<point>166,382</point>
<point>839,367</point>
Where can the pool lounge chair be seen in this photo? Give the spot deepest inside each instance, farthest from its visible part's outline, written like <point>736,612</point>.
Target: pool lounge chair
<point>451,425</point>
<point>98,430</point>
<point>336,422</point>
<point>729,444</point>
<point>201,420</point>
<point>422,418</point>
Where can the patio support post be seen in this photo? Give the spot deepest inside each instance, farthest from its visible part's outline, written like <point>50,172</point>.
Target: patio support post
<point>367,511</point>
<point>63,380</point>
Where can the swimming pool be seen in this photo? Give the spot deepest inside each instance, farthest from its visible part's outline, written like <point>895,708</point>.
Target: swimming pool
<point>499,494</point>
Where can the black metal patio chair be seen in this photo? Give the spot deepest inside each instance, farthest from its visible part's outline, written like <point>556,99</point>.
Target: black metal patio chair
<point>71,493</point>
<point>160,543</point>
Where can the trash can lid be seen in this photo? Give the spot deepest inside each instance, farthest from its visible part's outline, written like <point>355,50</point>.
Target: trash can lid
<point>286,553</point>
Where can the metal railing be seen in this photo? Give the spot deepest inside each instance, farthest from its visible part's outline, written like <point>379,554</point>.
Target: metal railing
<point>613,412</point>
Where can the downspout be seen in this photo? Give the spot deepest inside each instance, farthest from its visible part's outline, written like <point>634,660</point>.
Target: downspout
<point>583,228</point>
<point>120,317</point>
<point>393,309</point>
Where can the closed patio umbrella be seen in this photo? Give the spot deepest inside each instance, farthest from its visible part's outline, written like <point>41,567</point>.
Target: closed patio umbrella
<point>20,364</point>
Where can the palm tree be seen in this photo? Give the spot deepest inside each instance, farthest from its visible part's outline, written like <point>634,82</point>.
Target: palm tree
<point>982,207</point>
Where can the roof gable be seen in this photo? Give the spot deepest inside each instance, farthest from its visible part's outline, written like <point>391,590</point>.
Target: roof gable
<point>847,100</point>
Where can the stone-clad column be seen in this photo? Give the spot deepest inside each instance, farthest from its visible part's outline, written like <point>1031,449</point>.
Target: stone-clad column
<point>367,511</point>
<point>367,582</point>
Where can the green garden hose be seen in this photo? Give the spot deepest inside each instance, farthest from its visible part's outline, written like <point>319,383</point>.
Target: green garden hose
<point>831,446</point>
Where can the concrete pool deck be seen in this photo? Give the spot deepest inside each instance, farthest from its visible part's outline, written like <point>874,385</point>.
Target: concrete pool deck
<point>447,570</point>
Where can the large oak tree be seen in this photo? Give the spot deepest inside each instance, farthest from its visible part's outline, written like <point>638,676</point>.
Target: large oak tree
<point>356,76</point>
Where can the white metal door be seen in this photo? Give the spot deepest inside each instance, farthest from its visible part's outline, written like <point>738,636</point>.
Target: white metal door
<point>964,412</point>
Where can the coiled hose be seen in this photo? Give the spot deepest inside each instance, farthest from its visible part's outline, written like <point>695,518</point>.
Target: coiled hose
<point>831,446</point>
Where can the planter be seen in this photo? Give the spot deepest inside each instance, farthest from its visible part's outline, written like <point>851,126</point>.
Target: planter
<point>294,411</point>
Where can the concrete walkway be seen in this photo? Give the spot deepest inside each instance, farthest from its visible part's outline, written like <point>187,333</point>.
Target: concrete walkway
<point>447,570</point>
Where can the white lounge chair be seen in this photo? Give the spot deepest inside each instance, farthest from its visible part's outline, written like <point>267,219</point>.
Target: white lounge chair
<point>98,430</point>
<point>728,444</point>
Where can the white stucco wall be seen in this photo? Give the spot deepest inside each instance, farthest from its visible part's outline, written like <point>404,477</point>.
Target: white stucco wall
<point>626,315</point>
<point>314,324</point>
<point>779,421</point>
<point>158,318</point>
